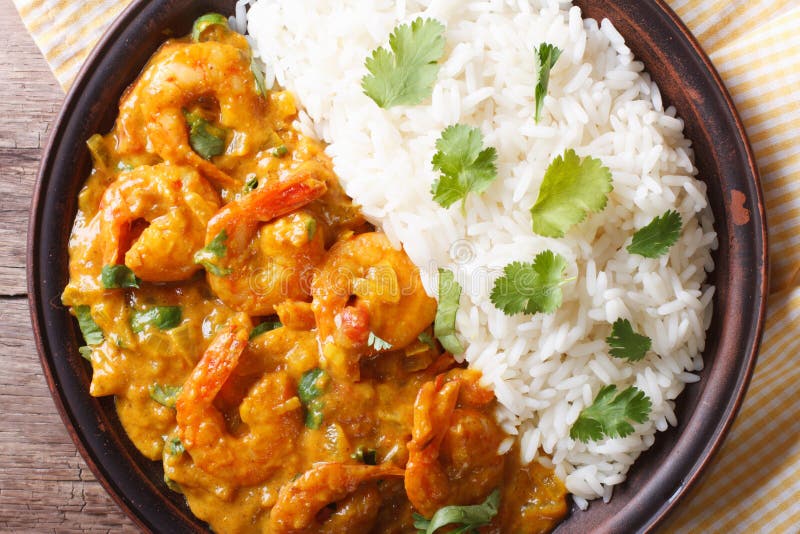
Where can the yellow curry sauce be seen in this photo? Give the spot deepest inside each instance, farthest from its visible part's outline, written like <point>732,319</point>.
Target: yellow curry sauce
<point>258,336</point>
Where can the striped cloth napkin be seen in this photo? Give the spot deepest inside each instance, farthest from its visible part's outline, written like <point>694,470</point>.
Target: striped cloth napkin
<point>753,485</point>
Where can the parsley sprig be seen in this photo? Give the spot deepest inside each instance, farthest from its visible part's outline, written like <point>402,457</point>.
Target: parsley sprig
<point>465,165</point>
<point>405,74</point>
<point>658,236</point>
<point>572,187</point>
<point>531,287</point>
<point>625,343</point>
<point>546,56</point>
<point>610,416</point>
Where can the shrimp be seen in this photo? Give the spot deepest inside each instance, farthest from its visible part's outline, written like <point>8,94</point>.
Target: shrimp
<point>270,411</point>
<point>453,454</point>
<point>184,74</point>
<point>301,500</point>
<point>367,286</point>
<point>153,219</point>
<point>266,264</point>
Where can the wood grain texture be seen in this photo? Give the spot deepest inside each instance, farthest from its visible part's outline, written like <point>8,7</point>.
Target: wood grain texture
<point>45,485</point>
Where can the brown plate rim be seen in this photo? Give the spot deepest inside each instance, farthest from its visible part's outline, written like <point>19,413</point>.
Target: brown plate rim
<point>148,514</point>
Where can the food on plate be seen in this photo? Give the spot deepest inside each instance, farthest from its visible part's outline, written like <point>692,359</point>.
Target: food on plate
<point>460,277</point>
<point>524,154</point>
<point>263,340</point>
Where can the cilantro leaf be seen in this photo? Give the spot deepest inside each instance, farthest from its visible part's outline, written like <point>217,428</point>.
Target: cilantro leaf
<point>465,165</point>
<point>405,74</point>
<point>205,138</point>
<point>162,317</point>
<point>571,188</point>
<point>86,352</point>
<point>469,518</point>
<point>627,344</point>
<point>427,339</point>
<point>118,276</point>
<point>215,249</point>
<point>377,343</point>
<point>311,387</point>
<point>654,240</point>
<point>531,287</point>
<point>264,327</point>
<point>609,416</point>
<point>165,395</point>
<point>92,333</point>
<point>444,325</point>
<point>546,57</point>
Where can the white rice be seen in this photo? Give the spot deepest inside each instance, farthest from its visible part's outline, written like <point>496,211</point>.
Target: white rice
<point>544,369</point>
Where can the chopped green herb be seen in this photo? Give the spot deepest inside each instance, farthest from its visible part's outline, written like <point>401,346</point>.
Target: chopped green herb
<point>314,415</point>
<point>570,189</point>
<point>658,236</point>
<point>205,22</point>
<point>165,395</point>
<point>205,138</point>
<point>465,166</point>
<point>264,327</point>
<point>175,447</point>
<point>465,518</point>
<point>118,276</point>
<point>531,287</point>
<point>215,249</point>
<point>366,456</point>
<point>311,228</point>
<point>279,151</point>
<point>92,333</point>
<point>250,185</point>
<point>405,74</point>
<point>123,166</point>
<point>312,385</point>
<point>546,56</point>
<point>86,352</point>
<point>427,339</point>
<point>444,325</point>
<point>609,416</point>
<point>377,343</point>
<point>162,317</point>
<point>627,344</point>
<point>258,74</point>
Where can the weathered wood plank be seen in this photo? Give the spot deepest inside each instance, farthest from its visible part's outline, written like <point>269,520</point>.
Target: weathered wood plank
<point>29,101</point>
<point>45,486</point>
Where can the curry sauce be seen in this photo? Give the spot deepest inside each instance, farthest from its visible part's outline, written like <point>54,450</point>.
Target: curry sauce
<point>259,337</point>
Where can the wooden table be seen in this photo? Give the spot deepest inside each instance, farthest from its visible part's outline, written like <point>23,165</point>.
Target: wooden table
<point>45,486</point>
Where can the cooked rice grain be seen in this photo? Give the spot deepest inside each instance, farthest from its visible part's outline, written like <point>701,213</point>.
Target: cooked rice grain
<point>544,369</point>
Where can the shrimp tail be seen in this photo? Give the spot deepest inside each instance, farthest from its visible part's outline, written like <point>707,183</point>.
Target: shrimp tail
<point>281,197</point>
